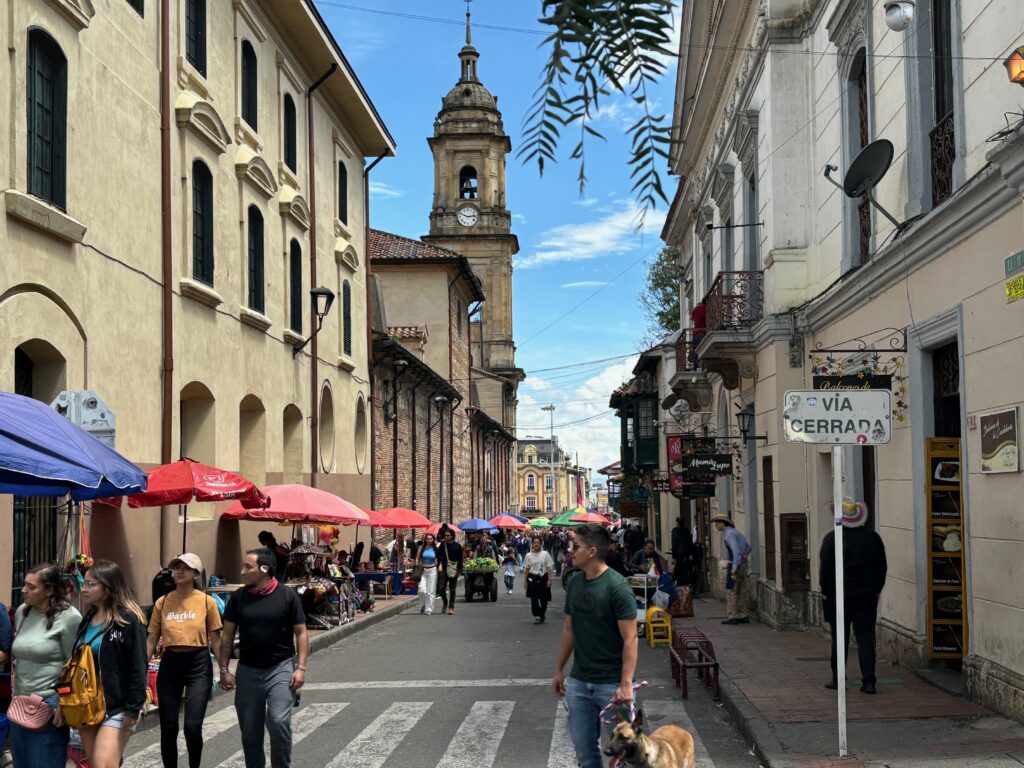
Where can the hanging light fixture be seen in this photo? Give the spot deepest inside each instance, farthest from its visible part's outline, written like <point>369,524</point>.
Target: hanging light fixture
<point>1015,66</point>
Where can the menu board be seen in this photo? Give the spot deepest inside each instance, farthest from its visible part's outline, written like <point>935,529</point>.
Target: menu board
<point>999,448</point>
<point>947,624</point>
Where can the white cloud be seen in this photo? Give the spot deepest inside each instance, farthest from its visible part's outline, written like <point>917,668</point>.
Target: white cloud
<point>585,284</point>
<point>614,234</point>
<point>519,217</point>
<point>586,202</point>
<point>386,191</point>
<point>597,440</point>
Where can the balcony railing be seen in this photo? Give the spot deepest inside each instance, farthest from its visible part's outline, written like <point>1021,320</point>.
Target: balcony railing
<point>943,150</point>
<point>686,351</point>
<point>735,300</point>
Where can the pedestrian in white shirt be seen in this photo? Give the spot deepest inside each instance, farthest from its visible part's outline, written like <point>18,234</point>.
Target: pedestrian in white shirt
<point>539,569</point>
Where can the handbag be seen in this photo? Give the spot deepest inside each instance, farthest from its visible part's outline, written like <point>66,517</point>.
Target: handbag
<point>30,712</point>
<point>451,568</point>
<point>417,573</point>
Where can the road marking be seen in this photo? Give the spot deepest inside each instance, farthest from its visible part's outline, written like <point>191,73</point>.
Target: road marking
<point>476,742</point>
<point>371,684</point>
<point>673,712</point>
<point>304,722</point>
<point>372,747</point>
<point>214,725</point>
<point>562,752</point>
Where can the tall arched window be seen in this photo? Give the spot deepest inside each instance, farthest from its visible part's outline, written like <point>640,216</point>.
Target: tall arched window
<point>249,85</point>
<point>256,293</point>
<point>860,136</point>
<point>531,482</point>
<point>468,183</point>
<point>195,34</point>
<point>202,223</point>
<point>342,193</point>
<point>346,317</point>
<point>295,286</point>
<point>290,143</point>
<point>47,91</point>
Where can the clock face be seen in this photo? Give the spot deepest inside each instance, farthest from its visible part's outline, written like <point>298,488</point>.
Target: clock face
<point>468,216</point>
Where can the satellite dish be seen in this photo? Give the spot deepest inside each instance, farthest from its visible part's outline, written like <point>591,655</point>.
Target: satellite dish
<point>669,402</point>
<point>868,168</point>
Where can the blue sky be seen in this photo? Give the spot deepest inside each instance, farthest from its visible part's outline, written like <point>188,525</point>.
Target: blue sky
<point>571,245</point>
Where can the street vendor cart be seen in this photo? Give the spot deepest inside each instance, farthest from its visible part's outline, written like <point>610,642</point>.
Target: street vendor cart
<point>480,576</point>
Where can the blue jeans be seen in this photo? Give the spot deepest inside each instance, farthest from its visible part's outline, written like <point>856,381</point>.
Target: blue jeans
<point>47,748</point>
<point>263,699</point>
<point>585,702</point>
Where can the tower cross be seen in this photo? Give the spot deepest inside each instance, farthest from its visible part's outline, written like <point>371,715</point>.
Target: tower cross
<point>469,38</point>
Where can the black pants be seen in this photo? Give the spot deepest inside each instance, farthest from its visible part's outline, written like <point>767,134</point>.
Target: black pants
<point>446,587</point>
<point>539,594</point>
<point>861,613</point>
<point>188,674</point>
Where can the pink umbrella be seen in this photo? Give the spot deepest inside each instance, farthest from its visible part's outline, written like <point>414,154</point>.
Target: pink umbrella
<point>301,505</point>
<point>435,529</point>
<point>590,517</point>
<point>405,518</point>
<point>507,521</point>
<point>380,520</point>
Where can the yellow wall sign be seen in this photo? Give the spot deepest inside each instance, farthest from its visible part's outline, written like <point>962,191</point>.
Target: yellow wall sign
<point>1014,289</point>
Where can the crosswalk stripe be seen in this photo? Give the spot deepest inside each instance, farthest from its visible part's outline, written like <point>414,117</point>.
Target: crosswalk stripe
<point>673,712</point>
<point>497,682</point>
<point>476,742</point>
<point>562,752</point>
<point>214,725</point>
<point>378,740</point>
<point>304,723</point>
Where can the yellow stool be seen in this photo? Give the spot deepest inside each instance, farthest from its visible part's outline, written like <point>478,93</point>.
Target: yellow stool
<point>658,627</point>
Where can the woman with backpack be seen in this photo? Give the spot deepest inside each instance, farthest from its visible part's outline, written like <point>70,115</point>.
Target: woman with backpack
<point>115,631</point>
<point>45,625</point>
<point>185,624</point>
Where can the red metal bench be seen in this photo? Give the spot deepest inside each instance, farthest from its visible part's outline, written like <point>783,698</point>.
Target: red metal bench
<point>691,649</point>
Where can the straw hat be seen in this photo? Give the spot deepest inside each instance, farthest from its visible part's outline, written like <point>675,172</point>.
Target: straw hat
<point>855,513</point>
<point>722,518</point>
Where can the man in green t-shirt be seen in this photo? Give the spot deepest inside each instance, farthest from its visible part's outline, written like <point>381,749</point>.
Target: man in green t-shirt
<point>600,633</point>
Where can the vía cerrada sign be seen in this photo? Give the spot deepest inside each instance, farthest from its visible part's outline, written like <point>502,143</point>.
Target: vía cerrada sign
<point>852,382</point>
<point>854,417</point>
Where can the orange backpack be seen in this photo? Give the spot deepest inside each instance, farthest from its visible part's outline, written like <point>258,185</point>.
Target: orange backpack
<point>81,691</point>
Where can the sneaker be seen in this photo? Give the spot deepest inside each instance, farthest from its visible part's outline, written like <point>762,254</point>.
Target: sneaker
<point>868,688</point>
<point>731,621</point>
<point>423,609</point>
<point>832,685</point>
<point>743,620</point>
<point>451,611</point>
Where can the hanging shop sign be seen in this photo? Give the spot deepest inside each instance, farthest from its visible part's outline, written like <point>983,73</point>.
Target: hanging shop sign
<point>1000,449</point>
<point>834,383</point>
<point>680,447</point>
<point>696,491</point>
<point>705,464</point>
<point>854,417</point>
<point>661,484</point>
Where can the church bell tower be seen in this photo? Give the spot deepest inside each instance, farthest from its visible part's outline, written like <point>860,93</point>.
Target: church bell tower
<point>470,215</point>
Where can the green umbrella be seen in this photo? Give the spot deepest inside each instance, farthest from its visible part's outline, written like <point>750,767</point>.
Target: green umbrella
<point>540,522</point>
<point>565,519</point>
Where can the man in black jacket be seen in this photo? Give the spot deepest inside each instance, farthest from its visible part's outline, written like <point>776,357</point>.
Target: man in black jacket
<point>864,569</point>
<point>449,568</point>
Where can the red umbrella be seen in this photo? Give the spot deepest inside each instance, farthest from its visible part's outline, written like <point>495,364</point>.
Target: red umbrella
<point>302,505</point>
<point>187,480</point>
<point>590,517</point>
<point>435,529</point>
<point>507,521</point>
<point>405,518</point>
<point>380,520</point>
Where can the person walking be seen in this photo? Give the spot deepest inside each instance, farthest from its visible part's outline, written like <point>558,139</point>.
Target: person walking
<point>272,650</point>
<point>599,632</point>
<point>281,553</point>
<point>6,639</point>
<point>738,553</point>
<point>864,570</point>
<point>114,627</point>
<point>540,569</point>
<point>184,627</point>
<point>509,566</point>
<point>614,559</point>
<point>45,627</point>
<point>449,568</point>
<point>522,547</point>
<point>426,559</point>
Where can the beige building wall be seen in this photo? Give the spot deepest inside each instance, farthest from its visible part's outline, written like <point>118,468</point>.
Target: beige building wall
<point>81,290</point>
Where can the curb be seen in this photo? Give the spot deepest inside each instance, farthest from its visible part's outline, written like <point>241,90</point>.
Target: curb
<point>320,642</point>
<point>752,725</point>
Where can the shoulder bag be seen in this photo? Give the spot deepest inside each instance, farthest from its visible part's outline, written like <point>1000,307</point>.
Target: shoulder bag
<point>451,568</point>
<point>30,712</point>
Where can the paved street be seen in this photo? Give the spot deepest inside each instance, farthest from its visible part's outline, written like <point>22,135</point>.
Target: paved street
<point>463,691</point>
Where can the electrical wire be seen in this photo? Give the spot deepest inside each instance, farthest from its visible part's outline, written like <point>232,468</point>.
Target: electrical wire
<point>433,19</point>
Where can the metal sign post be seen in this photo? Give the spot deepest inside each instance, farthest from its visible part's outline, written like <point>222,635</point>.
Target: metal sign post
<point>838,418</point>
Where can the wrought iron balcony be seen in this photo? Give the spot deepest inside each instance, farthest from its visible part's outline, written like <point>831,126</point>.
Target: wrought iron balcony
<point>686,351</point>
<point>735,300</point>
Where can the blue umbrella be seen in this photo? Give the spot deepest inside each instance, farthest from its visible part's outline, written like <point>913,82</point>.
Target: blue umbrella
<point>476,524</point>
<point>44,454</point>
<point>520,518</point>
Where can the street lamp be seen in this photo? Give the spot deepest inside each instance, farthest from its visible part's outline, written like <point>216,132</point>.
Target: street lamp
<point>551,457</point>
<point>322,299</point>
<point>1015,66</point>
<point>745,421</point>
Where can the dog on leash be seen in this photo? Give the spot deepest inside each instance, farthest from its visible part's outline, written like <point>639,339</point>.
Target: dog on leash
<point>668,747</point>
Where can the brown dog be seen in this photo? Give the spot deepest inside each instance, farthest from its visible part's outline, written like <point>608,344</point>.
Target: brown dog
<point>668,747</point>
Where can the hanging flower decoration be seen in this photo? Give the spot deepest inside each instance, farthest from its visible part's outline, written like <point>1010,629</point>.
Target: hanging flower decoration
<point>865,367</point>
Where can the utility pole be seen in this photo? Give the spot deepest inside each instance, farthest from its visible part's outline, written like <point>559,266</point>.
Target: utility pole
<point>551,458</point>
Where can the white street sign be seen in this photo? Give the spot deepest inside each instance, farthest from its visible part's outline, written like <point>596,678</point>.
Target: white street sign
<point>838,417</point>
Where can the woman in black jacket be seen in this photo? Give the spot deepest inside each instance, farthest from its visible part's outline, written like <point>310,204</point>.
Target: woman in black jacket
<point>114,627</point>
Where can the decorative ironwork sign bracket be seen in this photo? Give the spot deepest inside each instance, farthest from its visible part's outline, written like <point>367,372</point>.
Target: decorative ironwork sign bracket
<point>887,340</point>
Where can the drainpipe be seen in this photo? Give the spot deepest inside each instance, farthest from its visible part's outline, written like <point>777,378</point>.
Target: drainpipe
<point>167,363</point>
<point>369,325</point>
<point>314,401</point>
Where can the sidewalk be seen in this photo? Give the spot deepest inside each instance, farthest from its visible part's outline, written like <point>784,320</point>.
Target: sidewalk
<point>773,684</point>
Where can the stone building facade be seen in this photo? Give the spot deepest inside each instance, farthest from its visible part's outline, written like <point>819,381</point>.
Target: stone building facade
<point>799,280</point>
<point>185,324</point>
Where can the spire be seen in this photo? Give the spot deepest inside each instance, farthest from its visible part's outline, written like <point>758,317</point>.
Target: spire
<point>469,36</point>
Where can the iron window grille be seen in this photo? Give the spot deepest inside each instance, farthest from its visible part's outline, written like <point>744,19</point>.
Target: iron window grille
<point>47,93</point>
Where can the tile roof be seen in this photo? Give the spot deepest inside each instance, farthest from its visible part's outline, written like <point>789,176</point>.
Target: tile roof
<point>386,247</point>
<point>407,331</point>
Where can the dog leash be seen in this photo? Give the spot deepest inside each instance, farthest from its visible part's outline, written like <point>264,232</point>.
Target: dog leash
<point>608,713</point>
